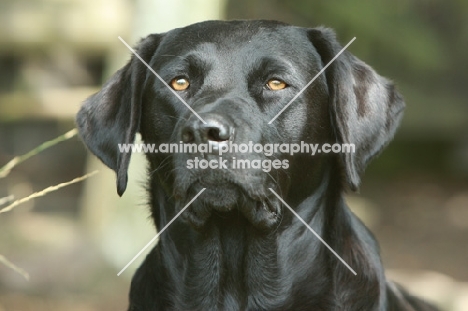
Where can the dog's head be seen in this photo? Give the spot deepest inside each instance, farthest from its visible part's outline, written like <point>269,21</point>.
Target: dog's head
<point>237,76</point>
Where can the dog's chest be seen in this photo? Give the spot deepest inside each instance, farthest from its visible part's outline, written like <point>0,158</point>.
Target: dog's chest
<point>232,268</point>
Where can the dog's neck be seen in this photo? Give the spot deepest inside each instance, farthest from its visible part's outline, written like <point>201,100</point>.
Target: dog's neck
<point>232,263</point>
<point>230,258</point>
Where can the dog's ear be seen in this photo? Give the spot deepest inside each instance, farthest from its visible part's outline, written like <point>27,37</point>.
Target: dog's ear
<point>112,116</point>
<point>365,108</point>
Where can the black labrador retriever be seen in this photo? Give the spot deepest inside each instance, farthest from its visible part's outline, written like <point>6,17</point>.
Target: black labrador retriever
<point>237,246</point>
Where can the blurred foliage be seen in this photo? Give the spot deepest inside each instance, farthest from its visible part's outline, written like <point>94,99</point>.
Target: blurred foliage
<point>423,37</point>
<point>422,44</point>
<point>6,169</point>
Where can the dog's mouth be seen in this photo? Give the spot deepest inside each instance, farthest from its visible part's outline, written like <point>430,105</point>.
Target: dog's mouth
<point>225,197</point>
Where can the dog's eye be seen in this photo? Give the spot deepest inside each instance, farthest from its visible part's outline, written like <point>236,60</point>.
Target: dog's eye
<point>276,85</point>
<point>180,84</point>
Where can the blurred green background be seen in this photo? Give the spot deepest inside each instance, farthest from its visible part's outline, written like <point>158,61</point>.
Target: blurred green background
<point>72,242</point>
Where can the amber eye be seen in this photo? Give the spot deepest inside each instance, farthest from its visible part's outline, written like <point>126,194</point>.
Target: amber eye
<point>276,85</point>
<point>180,84</point>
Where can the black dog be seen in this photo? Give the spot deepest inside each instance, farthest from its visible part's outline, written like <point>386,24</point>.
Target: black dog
<point>237,247</point>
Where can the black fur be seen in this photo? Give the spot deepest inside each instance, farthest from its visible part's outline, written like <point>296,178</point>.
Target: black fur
<point>236,247</point>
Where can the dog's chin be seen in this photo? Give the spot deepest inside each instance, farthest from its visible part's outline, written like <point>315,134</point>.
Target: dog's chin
<point>262,212</point>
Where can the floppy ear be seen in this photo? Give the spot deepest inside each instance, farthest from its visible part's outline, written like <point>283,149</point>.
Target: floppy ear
<point>112,116</point>
<point>365,108</point>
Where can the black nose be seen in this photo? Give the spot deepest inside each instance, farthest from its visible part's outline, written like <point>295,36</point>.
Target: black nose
<point>216,129</point>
